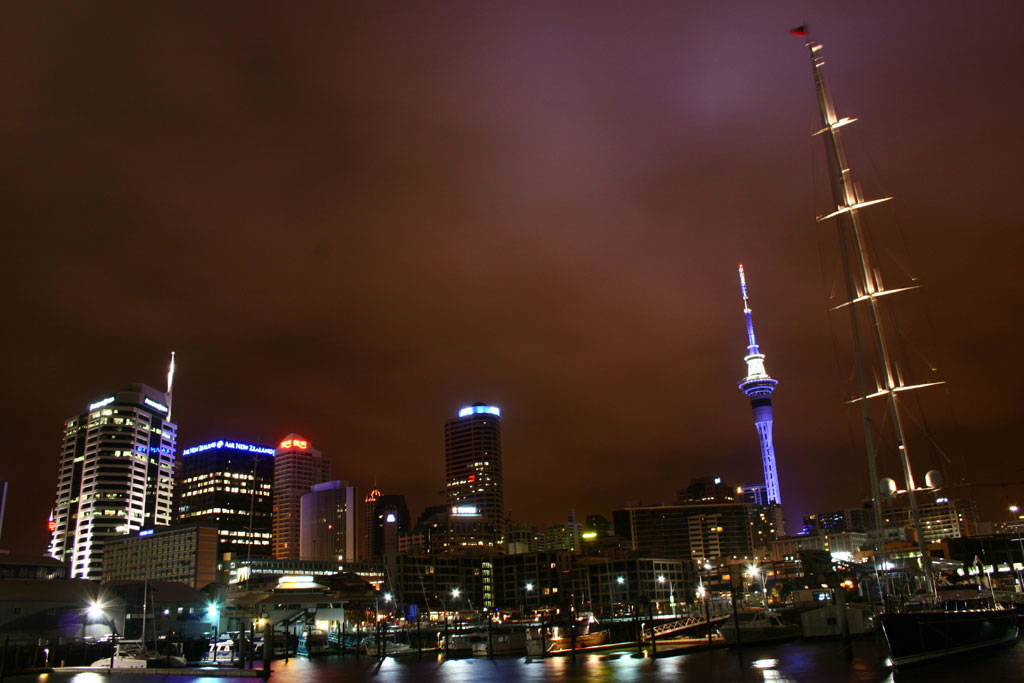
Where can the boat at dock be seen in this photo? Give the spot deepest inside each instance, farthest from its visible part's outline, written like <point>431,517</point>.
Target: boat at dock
<point>930,625</point>
<point>757,626</point>
<point>581,633</point>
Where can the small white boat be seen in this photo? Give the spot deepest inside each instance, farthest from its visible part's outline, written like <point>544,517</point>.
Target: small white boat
<point>758,626</point>
<point>391,647</point>
<point>222,652</point>
<point>313,643</point>
<point>128,654</point>
<point>501,643</point>
<point>560,636</point>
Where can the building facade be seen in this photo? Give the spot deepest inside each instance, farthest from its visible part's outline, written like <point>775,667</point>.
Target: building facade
<point>228,485</point>
<point>329,522</point>
<point>474,487</point>
<point>692,531</point>
<point>297,467</point>
<point>115,477</point>
<point>183,554</point>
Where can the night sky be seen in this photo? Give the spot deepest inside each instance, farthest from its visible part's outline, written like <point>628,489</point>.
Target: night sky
<point>350,222</point>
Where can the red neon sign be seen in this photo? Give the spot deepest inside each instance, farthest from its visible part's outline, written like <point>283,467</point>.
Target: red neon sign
<point>51,525</point>
<point>300,444</point>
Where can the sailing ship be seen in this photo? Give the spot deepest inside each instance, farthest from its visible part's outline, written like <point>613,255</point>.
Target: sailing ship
<point>927,627</point>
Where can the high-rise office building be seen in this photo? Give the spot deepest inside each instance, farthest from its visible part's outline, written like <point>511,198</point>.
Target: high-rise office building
<point>391,518</point>
<point>116,476</point>
<point>473,483</point>
<point>227,485</point>
<point>329,529</point>
<point>366,549</point>
<point>297,467</point>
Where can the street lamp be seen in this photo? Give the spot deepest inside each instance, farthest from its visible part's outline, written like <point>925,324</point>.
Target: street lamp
<point>213,612</point>
<point>1013,511</point>
<point>527,589</point>
<point>95,610</point>
<point>755,572</point>
<point>671,592</point>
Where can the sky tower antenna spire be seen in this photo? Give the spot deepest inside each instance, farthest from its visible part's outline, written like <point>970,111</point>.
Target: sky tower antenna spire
<point>170,385</point>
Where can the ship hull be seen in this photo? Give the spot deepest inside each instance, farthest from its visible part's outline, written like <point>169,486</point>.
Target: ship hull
<point>921,636</point>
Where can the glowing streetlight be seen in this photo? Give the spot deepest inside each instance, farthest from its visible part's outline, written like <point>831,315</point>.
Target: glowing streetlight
<point>95,610</point>
<point>387,597</point>
<point>212,611</point>
<point>456,592</point>
<point>529,587</point>
<point>620,580</point>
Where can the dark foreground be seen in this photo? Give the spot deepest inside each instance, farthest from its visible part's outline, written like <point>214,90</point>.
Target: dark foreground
<point>793,661</point>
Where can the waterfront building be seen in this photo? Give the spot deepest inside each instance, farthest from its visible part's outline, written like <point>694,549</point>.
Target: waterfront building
<point>228,485</point>
<point>328,522</point>
<point>185,553</point>
<point>758,386</point>
<point>17,566</point>
<point>297,467</point>
<point>563,536</point>
<point>600,525</point>
<point>262,571</point>
<point>115,476</point>
<point>523,538</point>
<point>443,581</point>
<point>699,531</point>
<point>474,488</point>
<point>849,519</point>
<point>621,586</point>
<point>941,518</point>
<point>752,493</point>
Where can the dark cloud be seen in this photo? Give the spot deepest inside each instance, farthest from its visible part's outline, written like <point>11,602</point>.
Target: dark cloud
<point>351,221</point>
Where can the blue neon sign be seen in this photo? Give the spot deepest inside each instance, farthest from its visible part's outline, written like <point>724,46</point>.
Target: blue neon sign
<point>233,445</point>
<point>474,410</point>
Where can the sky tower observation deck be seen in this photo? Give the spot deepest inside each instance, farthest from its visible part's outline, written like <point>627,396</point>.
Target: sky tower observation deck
<point>759,387</point>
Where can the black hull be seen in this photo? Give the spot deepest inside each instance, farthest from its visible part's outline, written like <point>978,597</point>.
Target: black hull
<point>920,636</point>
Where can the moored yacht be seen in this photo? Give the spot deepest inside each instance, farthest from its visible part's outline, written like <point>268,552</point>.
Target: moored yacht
<point>932,625</point>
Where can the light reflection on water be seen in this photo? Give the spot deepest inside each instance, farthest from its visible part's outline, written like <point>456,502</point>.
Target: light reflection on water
<point>795,661</point>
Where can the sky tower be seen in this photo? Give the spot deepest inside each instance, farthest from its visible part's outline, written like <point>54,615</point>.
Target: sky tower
<point>759,387</point>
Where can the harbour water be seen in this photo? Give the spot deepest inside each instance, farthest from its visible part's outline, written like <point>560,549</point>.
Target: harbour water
<point>796,661</point>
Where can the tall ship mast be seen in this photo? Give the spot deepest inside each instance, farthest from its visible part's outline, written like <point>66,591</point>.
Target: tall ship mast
<point>932,628</point>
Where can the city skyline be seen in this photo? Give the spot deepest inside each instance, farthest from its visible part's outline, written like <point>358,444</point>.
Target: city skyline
<point>349,225</point>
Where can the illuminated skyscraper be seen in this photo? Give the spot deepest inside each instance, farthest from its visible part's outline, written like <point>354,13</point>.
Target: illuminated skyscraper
<point>297,467</point>
<point>115,476</point>
<point>227,484</point>
<point>759,387</point>
<point>473,484</point>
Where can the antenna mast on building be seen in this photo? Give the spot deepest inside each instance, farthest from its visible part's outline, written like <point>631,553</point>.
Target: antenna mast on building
<point>170,386</point>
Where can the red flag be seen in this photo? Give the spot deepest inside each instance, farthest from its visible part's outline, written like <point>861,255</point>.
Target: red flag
<point>799,31</point>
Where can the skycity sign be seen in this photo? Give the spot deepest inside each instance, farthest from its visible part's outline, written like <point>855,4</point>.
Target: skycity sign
<point>233,445</point>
